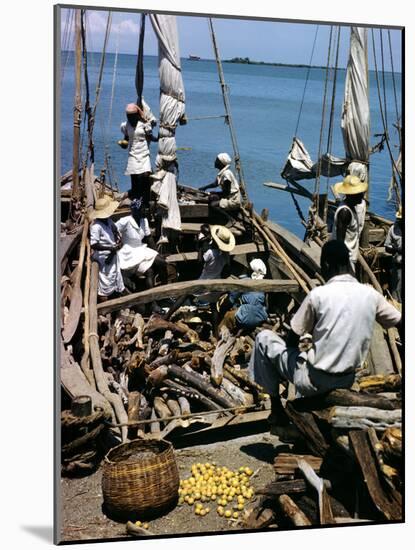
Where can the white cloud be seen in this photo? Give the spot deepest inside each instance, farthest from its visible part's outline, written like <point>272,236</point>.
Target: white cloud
<point>128,26</point>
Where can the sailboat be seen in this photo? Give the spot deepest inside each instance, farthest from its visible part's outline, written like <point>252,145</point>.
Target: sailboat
<point>88,346</point>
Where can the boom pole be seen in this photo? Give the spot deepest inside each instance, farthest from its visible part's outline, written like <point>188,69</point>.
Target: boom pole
<point>77,109</point>
<point>228,114</point>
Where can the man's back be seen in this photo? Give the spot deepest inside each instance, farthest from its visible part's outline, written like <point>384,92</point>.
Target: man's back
<point>341,316</point>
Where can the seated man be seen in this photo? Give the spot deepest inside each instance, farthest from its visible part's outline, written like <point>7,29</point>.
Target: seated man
<point>340,316</point>
<point>393,245</point>
<point>248,309</point>
<point>229,198</point>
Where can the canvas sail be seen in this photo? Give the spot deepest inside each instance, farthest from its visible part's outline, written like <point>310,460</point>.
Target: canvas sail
<point>355,121</point>
<point>172,109</point>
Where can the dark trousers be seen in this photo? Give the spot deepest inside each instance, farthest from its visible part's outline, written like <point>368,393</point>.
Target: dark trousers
<point>140,188</point>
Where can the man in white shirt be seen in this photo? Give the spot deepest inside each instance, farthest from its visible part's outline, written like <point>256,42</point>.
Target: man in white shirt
<point>339,317</point>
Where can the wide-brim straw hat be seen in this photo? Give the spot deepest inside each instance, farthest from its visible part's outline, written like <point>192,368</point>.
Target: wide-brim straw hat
<point>398,214</point>
<point>223,237</point>
<point>104,208</point>
<point>194,321</point>
<point>351,185</point>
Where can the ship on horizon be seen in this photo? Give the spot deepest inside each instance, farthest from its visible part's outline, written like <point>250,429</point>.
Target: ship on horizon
<point>194,57</point>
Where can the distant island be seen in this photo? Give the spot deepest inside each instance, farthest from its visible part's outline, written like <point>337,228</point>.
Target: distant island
<point>247,61</point>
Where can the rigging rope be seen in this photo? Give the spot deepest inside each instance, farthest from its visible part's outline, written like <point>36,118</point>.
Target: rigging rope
<point>381,111</point>
<point>306,81</point>
<point>68,40</point>
<point>331,122</point>
<point>385,105</point>
<point>394,91</point>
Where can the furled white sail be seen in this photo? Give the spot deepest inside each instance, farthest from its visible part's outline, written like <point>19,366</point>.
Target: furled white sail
<point>355,124</point>
<point>355,121</point>
<point>172,108</point>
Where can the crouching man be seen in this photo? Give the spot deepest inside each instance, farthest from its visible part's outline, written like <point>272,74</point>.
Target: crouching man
<point>340,317</point>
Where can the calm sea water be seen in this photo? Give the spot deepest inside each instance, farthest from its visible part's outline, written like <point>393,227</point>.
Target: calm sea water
<point>265,102</point>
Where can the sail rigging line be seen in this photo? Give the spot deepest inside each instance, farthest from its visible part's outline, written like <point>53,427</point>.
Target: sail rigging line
<point>398,116</point>
<point>331,122</point>
<point>306,81</point>
<point>68,39</point>
<point>228,119</point>
<point>395,168</point>
<point>139,71</point>
<point>87,115</point>
<point>323,117</point>
<point>98,88</point>
<point>385,105</point>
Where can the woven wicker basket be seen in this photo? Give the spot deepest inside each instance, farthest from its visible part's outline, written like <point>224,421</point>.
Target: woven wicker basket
<point>140,486</point>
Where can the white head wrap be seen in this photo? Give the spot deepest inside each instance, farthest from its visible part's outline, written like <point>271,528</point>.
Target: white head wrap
<point>259,269</point>
<point>224,159</point>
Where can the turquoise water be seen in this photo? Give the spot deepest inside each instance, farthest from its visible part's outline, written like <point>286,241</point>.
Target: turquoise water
<point>265,102</point>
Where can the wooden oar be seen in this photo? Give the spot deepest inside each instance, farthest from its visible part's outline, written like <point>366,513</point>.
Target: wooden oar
<point>76,296</point>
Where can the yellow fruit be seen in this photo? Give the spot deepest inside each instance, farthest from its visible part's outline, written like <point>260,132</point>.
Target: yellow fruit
<point>235,515</point>
<point>213,497</point>
<point>191,501</point>
<point>228,513</point>
<point>138,523</point>
<point>240,506</point>
<point>248,471</point>
<point>203,512</point>
<point>229,498</point>
<point>145,525</point>
<point>197,496</point>
<point>221,511</point>
<point>197,511</point>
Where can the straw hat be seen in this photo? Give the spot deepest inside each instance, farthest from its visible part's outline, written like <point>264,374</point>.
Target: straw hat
<point>194,320</point>
<point>104,208</point>
<point>351,185</point>
<point>399,213</point>
<point>223,237</point>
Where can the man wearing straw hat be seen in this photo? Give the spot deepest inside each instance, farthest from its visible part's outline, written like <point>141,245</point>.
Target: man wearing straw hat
<point>349,218</point>
<point>393,245</point>
<point>105,242</point>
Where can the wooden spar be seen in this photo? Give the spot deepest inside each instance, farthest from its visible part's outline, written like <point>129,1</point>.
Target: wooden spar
<point>303,192</point>
<point>174,290</point>
<point>292,511</point>
<point>85,362</point>
<point>76,296</point>
<point>77,109</point>
<point>95,352</point>
<point>228,118</point>
<point>277,248</point>
<point>391,335</point>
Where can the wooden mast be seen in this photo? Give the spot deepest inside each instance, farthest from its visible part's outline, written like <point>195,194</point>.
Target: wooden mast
<point>77,109</point>
<point>228,119</point>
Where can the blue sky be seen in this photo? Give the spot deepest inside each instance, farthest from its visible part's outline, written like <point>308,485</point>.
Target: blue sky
<point>259,40</point>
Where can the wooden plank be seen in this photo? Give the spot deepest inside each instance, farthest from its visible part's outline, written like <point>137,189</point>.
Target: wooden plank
<point>324,505</point>
<point>191,227</point>
<point>287,463</point>
<point>189,211</point>
<point>67,242</point>
<point>345,398</point>
<point>199,286</point>
<point>390,508</point>
<point>379,356</point>
<point>240,249</point>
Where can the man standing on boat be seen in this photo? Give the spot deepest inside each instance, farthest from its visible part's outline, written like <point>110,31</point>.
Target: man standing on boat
<point>137,132</point>
<point>349,217</point>
<point>393,245</point>
<point>338,318</point>
<point>229,198</point>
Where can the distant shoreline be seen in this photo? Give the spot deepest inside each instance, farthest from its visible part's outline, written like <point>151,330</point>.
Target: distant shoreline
<point>247,61</point>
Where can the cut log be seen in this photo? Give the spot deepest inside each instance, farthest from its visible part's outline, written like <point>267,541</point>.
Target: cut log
<point>259,517</point>
<point>307,425</point>
<point>244,379</point>
<point>224,346</point>
<point>99,374</point>
<point>292,511</point>
<point>381,383</point>
<point>364,417</point>
<point>191,394</point>
<point>154,426</point>
<point>237,394</point>
<point>166,343</point>
<point>277,488</point>
<point>345,398</point>
<point>76,296</point>
<point>134,399</point>
<point>379,356</point>
<point>199,286</point>
<point>196,381</point>
<point>389,507</point>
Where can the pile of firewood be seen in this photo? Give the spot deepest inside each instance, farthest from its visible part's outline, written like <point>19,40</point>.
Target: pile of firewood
<point>354,471</point>
<point>168,370</point>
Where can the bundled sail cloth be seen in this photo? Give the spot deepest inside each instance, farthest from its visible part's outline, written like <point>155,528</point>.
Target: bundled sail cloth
<point>172,108</point>
<point>355,124</point>
<point>299,165</point>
